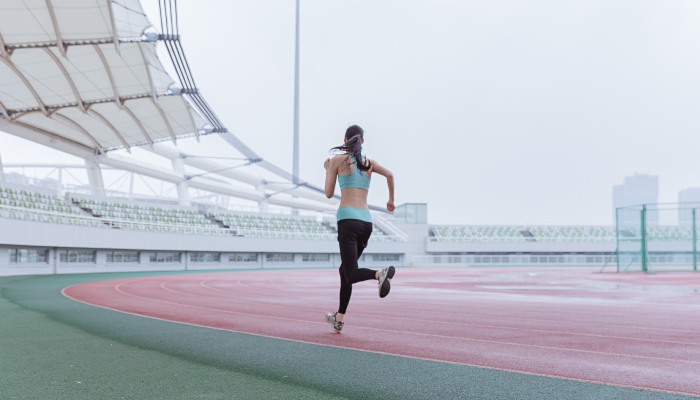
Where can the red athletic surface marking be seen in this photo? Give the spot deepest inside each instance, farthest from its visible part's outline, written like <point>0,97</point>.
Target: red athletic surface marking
<point>621,329</point>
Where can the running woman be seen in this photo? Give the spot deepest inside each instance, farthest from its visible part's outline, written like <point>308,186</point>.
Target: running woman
<point>354,220</point>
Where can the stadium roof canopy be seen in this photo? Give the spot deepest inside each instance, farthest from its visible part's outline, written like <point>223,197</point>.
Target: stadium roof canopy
<point>82,77</point>
<point>86,72</point>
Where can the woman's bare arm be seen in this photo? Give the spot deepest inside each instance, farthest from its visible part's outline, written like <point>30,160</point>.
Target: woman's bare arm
<point>331,167</point>
<point>376,167</point>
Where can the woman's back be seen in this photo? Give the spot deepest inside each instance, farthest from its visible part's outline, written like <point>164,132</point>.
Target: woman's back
<point>354,183</point>
<point>353,172</point>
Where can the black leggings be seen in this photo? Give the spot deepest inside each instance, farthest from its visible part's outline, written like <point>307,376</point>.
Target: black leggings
<point>353,235</point>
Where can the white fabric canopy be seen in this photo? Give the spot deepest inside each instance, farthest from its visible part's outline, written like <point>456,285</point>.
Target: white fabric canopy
<point>83,70</point>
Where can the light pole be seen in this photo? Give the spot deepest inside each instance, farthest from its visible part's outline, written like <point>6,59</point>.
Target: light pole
<point>295,156</point>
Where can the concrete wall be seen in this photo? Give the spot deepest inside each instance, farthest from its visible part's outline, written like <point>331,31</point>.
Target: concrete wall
<point>524,247</point>
<point>417,234</point>
<point>31,233</point>
<point>54,238</point>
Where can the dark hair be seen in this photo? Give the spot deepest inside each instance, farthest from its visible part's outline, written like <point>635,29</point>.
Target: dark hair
<point>353,145</point>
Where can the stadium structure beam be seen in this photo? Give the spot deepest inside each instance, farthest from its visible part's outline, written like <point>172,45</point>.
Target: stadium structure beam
<point>204,183</point>
<point>3,48</point>
<point>192,121</point>
<point>51,109</point>
<point>46,138</point>
<point>68,43</point>
<point>205,165</point>
<point>45,165</point>
<point>168,175</point>
<point>238,175</point>
<point>165,119</point>
<point>26,82</point>
<point>60,117</point>
<point>2,171</point>
<point>54,21</point>
<point>154,97</point>
<point>136,121</point>
<point>4,111</point>
<point>94,174</point>
<point>113,25</point>
<point>69,79</point>
<point>264,205</point>
<point>117,98</point>
<point>110,76</point>
<point>151,86</point>
<point>119,162</point>
<point>110,126</point>
<point>183,195</point>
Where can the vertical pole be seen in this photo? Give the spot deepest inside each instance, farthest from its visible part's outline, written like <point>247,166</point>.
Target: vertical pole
<point>617,238</point>
<point>295,167</point>
<point>2,173</point>
<point>695,244</point>
<point>263,205</point>
<point>59,183</point>
<point>94,173</point>
<point>131,185</point>
<point>644,239</point>
<point>54,259</point>
<point>183,195</point>
<point>295,156</point>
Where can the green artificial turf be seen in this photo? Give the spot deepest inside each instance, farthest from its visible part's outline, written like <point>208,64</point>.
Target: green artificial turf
<point>54,348</point>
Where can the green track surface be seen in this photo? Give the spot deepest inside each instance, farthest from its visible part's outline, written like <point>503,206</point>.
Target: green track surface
<point>54,348</point>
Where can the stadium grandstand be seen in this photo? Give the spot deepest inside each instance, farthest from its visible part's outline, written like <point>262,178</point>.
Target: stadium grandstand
<point>98,91</point>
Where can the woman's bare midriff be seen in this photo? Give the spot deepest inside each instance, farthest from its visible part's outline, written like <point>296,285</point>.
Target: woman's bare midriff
<point>353,197</point>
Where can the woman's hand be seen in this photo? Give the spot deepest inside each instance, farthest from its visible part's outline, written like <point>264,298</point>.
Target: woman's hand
<point>390,205</point>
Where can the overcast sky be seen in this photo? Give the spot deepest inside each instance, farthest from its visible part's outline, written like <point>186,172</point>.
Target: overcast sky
<point>489,111</point>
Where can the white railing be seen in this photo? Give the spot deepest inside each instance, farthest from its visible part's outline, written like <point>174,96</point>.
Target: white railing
<point>390,229</point>
<point>486,260</point>
<point>39,215</point>
<point>491,239</point>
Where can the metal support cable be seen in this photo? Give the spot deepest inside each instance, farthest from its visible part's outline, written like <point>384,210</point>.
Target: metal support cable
<point>171,37</point>
<point>219,170</point>
<point>170,26</point>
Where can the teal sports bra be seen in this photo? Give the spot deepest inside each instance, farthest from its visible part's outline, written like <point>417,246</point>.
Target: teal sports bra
<point>358,179</point>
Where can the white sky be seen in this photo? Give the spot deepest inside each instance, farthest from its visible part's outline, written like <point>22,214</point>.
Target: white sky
<point>508,111</point>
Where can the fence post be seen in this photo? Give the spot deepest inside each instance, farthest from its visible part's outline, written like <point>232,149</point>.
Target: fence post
<point>695,244</point>
<point>644,239</point>
<point>617,238</point>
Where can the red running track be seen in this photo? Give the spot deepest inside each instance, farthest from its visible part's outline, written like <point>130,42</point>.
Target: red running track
<point>621,329</point>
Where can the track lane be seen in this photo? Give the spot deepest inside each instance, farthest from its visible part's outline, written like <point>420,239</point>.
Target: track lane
<point>291,305</point>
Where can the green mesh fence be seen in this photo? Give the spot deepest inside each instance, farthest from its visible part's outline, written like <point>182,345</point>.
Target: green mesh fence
<point>658,237</point>
<point>629,238</point>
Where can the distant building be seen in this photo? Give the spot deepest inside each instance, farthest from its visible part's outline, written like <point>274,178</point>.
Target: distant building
<point>689,199</point>
<point>636,190</point>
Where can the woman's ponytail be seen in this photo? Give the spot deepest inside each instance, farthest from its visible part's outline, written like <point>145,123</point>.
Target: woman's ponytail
<point>353,145</point>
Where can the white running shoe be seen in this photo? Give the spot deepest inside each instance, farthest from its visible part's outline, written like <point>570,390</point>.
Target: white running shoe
<point>337,325</point>
<point>384,280</point>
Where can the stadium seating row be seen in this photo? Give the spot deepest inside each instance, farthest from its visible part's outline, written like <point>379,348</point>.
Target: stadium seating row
<point>37,206</point>
<point>552,233</point>
<point>281,226</point>
<point>78,210</point>
<point>512,233</point>
<point>149,217</point>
